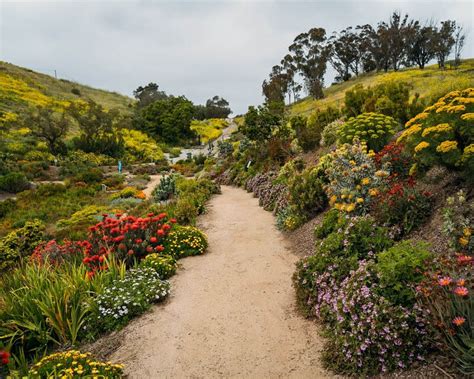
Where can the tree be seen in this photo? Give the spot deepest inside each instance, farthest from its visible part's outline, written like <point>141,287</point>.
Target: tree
<point>49,126</point>
<point>168,119</point>
<point>259,123</point>
<point>459,38</point>
<point>443,41</point>
<point>98,134</point>
<point>375,45</point>
<point>397,29</point>
<point>421,44</point>
<point>346,53</point>
<point>277,85</point>
<point>148,94</point>
<point>310,53</point>
<point>293,87</point>
<point>217,107</point>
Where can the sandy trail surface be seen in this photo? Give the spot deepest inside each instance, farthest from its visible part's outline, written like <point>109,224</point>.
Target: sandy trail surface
<point>150,186</point>
<point>232,311</point>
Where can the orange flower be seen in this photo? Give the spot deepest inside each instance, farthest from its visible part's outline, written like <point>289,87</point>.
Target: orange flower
<point>461,282</point>
<point>458,321</point>
<point>446,281</point>
<point>461,291</point>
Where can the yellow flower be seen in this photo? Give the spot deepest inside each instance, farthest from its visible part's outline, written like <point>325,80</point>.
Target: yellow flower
<point>350,207</point>
<point>463,241</point>
<point>467,231</point>
<point>422,145</point>
<point>333,199</point>
<point>360,200</point>
<point>373,192</point>
<point>440,128</point>
<point>447,146</point>
<point>365,181</point>
<point>353,163</point>
<point>467,117</point>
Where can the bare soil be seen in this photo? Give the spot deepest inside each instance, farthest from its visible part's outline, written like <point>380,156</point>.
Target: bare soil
<point>232,311</point>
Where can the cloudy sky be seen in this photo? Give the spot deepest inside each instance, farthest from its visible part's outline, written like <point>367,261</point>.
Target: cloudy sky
<point>194,48</point>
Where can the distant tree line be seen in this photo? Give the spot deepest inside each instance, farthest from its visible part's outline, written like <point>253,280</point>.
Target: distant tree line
<point>400,41</point>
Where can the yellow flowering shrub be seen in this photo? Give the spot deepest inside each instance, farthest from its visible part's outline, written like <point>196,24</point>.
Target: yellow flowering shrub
<point>444,132</point>
<point>184,241</point>
<point>141,147</point>
<point>210,129</point>
<point>74,364</point>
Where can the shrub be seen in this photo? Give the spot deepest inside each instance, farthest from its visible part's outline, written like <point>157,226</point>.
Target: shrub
<point>332,220</point>
<point>224,148</point>
<point>20,243</point>
<point>353,179</point>
<point>443,133</point>
<point>73,363</point>
<point>306,193</point>
<point>128,192</point>
<point>330,133</point>
<point>310,136</point>
<point>400,268</point>
<point>139,146</point>
<point>76,91</point>
<point>372,335</point>
<point>125,298</point>
<point>165,265</point>
<point>372,128</point>
<point>6,206</point>
<point>76,225</point>
<point>396,159</point>
<point>166,189</point>
<point>127,238</point>
<point>89,176</point>
<point>458,225</point>
<point>402,206</point>
<point>184,241</point>
<point>14,182</point>
<point>185,211</point>
<point>288,219</point>
<point>55,253</point>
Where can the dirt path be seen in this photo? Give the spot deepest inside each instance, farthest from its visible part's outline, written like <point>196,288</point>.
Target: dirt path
<point>150,186</point>
<point>232,311</point>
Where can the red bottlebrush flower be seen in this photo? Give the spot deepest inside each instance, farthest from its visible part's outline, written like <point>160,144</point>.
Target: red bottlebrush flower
<point>119,238</point>
<point>149,249</point>
<point>138,241</point>
<point>151,214</point>
<point>166,227</point>
<point>131,252</point>
<point>153,240</point>
<point>446,281</point>
<point>160,232</point>
<point>122,246</point>
<point>162,215</point>
<point>4,357</point>
<point>458,321</point>
<point>90,274</point>
<point>173,221</point>
<point>159,248</point>
<point>461,291</point>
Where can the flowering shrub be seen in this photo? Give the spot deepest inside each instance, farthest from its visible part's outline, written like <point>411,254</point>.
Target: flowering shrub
<point>395,158</point>
<point>55,253</point>
<point>401,205</point>
<point>353,179</point>
<point>330,133</point>
<point>288,219</point>
<point>443,133</point>
<point>125,298</point>
<point>374,129</point>
<point>332,221</point>
<point>184,241</point>
<point>459,223</point>
<point>74,364</point>
<point>165,265</point>
<point>129,192</point>
<point>128,238</point>
<point>371,335</point>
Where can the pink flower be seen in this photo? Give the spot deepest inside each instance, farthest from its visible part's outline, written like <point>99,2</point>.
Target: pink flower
<point>458,321</point>
<point>446,281</point>
<point>461,291</point>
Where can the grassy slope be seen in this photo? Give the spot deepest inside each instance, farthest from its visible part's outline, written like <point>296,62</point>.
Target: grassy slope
<point>22,87</point>
<point>428,82</point>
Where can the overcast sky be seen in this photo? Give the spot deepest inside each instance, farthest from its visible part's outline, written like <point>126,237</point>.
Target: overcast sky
<point>192,48</point>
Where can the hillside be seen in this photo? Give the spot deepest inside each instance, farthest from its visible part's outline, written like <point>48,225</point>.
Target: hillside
<point>430,82</point>
<point>21,87</point>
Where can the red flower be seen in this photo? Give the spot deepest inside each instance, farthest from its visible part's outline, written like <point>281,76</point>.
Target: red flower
<point>458,321</point>
<point>159,248</point>
<point>150,214</point>
<point>122,246</point>
<point>149,249</point>
<point>166,227</point>
<point>162,215</point>
<point>461,291</point>
<point>138,241</point>
<point>173,221</point>
<point>131,252</point>
<point>153,240</point>
<point>4,357</point>
<point>160,232</point>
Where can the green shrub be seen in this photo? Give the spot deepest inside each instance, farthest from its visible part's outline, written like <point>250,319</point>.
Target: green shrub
<point>89,176</point>
<point>72,364</point>
<point>310,135</point>
<point>330,133</point>
<point>289,219</point>
<point>165,265</point>
<point>166,189</point>
<point>184,241</point>
<point>14,182</point>
<point>374,129</point>
<point>20,243</point>
<point>125,298</point>
<point>306,192</point>
<point>400,268</point>
<point>6,206</point>
<point>185,211</point>
<point>332,220</point>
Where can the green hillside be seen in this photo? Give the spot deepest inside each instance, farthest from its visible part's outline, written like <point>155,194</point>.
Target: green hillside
<point>430,82</point>
<point>21,87</point>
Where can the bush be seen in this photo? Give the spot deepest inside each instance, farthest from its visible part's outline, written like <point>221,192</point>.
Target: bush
<point>165,265</point>
<point>126,298</point>
<point>400,268</point>
<point>289,219</point>
<point>185,211</point>
<point>6,206</point>
<point>14,182</point>
<point>73,363</point>
<point>89,176</point>
<point>185,241</point>
<point>129,192</point>
<point>402,206</point>
<point>309,135</point>
<point>443,133</point>
<point>372,335</point>
<point>57,253</point>
<point>396,159</point>
<point>20,243</point>
<point>306,193</point>
<point>353,179</point>
<point>166,189</point>
<point>332,220</point>
<point>330,133</point>
<point>372,128</point>
<point>458,225</point>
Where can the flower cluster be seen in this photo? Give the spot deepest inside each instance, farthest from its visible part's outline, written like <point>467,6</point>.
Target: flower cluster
<point>129,192</point>
<point>165,265</point>
<point>126,298</point>
<point>55,253</point>
<point>353,179</point>
<point>459,223</point>
<point>396,159</point>
<point>184,241</point>
<point>442,133</point>
<point>129,238</point>
<point>74,364</point>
